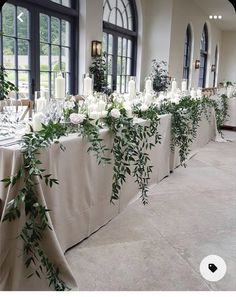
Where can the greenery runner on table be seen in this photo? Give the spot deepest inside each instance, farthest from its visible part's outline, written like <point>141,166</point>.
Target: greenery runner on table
<point>130,151</point>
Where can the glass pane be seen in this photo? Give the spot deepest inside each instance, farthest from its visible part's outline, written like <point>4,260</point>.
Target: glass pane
<point>8,21</point>
<point>119,20</point>
<point>124,47</point>
<point>129,49</point>
<point>110,60</point>
<point>118,65</point>
<point>68,83</point>
<point>65,33</point>
<point>11,76</point>
<point>44,57</point>
<point>9,52</point>
<point>123,85</point>
<point>128,66</point>
<point>23,84</point>
<point>53,77</point>
<point>66,3</point>
<point>110,45</point>
<point>123,66</point>
<point>109,81</point>
<point>22,22</point>
<point>119,46</point>
<point>118,84</point>
<point>55,30</point>
<point>44,81</point>
<point>104,42</point>
<point>56,1</point>
<point>44,21</point>
<point>23,54</point>
<point>55,58</point>
<point>112,18</point>
<point>65,60</point>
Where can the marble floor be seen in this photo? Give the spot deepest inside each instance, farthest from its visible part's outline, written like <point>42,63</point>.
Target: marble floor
<point>159,247</point>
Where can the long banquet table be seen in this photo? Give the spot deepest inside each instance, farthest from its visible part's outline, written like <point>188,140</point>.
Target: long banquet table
<point>231,120</point>
<point>80,204</point>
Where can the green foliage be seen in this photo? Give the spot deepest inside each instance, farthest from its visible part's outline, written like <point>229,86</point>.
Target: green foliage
<point>36,214</point>
<point>131,146</point>
<point>5,85</point>
<point>99,70</point>
<point>130,150</point>
<point>160,76</point>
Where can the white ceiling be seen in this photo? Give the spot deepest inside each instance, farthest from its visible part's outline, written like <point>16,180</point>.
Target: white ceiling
<point>220,7</point>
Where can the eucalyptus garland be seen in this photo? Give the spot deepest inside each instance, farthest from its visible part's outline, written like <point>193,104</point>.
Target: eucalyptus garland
<point>130,150</point>
<point>27,198</point>
<point>186,116</point>
<point>131,146</point>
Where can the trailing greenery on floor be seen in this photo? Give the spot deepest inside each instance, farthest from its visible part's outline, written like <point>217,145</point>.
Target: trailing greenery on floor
<point>129,155</point>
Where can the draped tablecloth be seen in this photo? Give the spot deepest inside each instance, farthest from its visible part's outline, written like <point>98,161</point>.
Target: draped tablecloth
<point>80,204</point>
<point>206,131</point>
<point>231,121</point>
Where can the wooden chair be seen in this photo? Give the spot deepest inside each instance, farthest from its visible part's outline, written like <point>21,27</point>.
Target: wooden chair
<point>28,104</point>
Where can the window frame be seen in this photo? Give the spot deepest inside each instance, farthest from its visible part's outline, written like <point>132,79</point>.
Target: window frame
<point>51,9</point>
<point>187,54</point>
<point>204,56</point>
<point>216,66</point>
<point>116,32</point>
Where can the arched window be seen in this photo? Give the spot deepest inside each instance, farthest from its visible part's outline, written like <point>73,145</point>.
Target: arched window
<point>37,42</point>
<point>216,66</point>
<point>187,54</point>
<point>120,41</point>
<point>203,57</point>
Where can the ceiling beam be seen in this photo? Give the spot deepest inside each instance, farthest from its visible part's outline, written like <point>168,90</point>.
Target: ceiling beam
<point>233,2</point>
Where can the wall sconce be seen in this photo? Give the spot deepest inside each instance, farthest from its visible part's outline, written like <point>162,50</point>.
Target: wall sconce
<point>96,48</point>
<point>197,64</point>
<point>213,68</point>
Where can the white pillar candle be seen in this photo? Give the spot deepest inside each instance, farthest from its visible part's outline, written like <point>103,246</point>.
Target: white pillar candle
<point>199,93</point>
<point>173,86</point>
<point>101,105</point>
<point>184,86</point>
<point>230,91</point>
<point>87,85</point>
<point>38,119</point>
<point>60,87</point>
<point>193,93</point>
<point>132,89</point>
<point>148,86</point>
<point>148,98</point>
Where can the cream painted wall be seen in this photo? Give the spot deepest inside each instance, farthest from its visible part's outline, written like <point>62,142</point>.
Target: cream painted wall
<point>91,15</point>
<point>157,16</point>
<point>228,61</point>
<point>187,12</point>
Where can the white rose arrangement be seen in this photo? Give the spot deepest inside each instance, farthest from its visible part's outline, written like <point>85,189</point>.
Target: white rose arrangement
<point>77,118</point>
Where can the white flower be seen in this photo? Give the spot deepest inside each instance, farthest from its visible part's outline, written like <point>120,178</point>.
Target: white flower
<point>94,115</point>
<point>104,113</point>
<point>77,118</point>
<point>115,113</point>
<point>144,107</point>
<point>69,105</point>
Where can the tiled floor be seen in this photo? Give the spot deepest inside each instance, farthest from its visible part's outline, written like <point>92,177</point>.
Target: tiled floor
<point>191,214</point>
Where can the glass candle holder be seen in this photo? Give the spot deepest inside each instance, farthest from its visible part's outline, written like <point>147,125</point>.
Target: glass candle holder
<point>41,100</point>
<point>132,87</point>
<point>88,84</point>
<point>148,85</point>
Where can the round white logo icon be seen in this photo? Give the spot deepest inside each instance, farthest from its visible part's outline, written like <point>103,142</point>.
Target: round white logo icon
<point>213,268</point>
